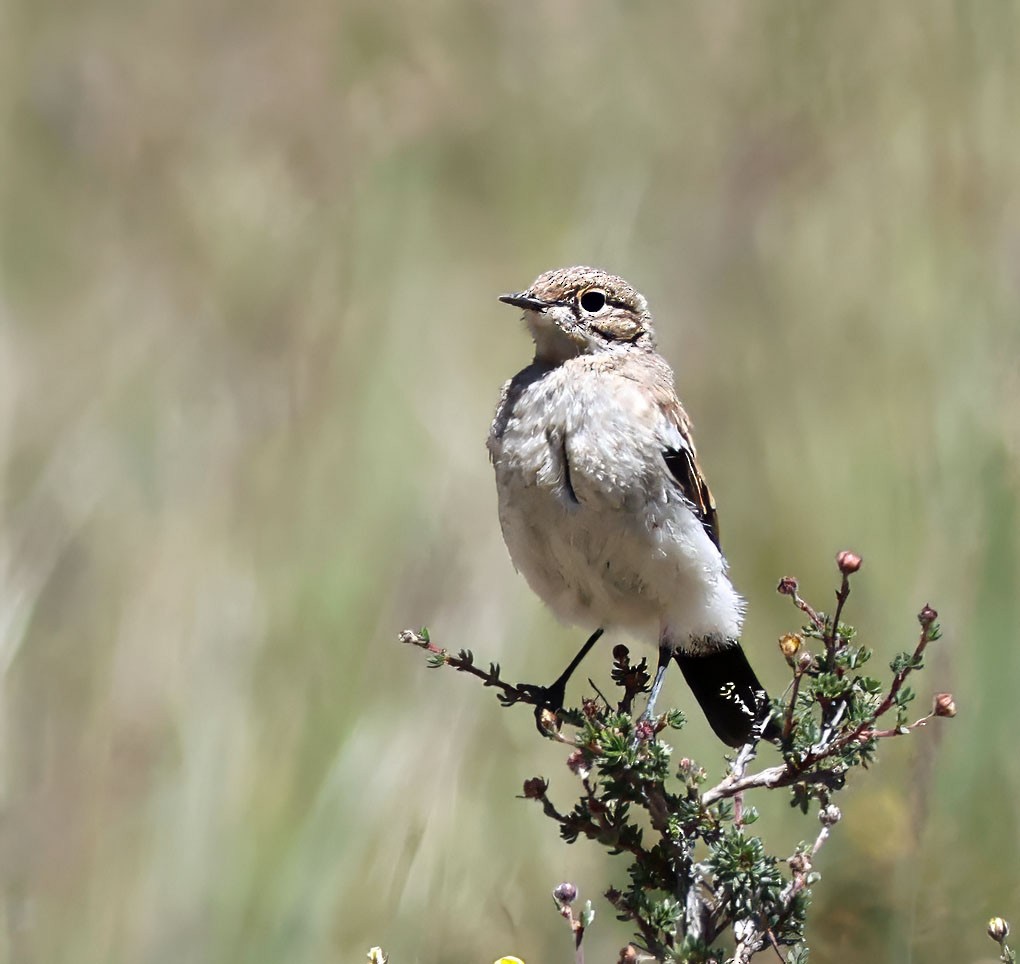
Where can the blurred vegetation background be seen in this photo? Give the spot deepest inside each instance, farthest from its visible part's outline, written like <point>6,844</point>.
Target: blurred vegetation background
<point>249,349</point>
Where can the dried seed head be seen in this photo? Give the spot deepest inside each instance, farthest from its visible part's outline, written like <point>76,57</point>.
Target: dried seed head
<point>944,705</point>
<point>787,586</point>
<point>830,815</point>
<point>534,789</point>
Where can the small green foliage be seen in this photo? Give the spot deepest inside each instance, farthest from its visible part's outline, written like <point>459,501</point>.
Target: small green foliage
<point>746,876</point>
<point>902,662</point>
<point>848,633</point>
<point>675,719</point>
<point>699,881</point>
<point>798,955</point>
<point>664,916</point>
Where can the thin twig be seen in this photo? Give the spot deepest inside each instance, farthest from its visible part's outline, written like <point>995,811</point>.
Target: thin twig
<point>832,636</point>
<point>899,730</point>
<point>788,587</point>
<point>791,705</point>
<point>463,662</point>
<point>866,729</point>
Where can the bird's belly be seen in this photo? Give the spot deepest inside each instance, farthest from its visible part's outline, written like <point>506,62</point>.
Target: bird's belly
<point>604,567</point>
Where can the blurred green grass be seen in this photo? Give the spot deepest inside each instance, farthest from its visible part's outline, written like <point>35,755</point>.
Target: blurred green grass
<point>249,348</point>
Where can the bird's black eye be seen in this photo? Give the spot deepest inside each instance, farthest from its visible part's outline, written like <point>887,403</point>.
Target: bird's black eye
<point>593,300</point>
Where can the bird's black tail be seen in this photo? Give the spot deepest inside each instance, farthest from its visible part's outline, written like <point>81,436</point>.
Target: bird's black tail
<point>729,693</point>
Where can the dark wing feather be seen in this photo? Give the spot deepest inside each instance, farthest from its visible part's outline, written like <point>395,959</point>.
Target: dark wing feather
<point>683,466</point>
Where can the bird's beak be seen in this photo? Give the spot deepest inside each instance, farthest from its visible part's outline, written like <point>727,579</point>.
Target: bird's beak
<point>524,300</point>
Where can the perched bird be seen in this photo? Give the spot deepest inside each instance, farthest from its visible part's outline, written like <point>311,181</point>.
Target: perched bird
<point>602,502</point>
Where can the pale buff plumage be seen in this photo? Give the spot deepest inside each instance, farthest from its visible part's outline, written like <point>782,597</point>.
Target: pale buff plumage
<point>602,502</point>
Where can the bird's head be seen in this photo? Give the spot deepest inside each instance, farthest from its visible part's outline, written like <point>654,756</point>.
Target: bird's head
<point>581,310</point>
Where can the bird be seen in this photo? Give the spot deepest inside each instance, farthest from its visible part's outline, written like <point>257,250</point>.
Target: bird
<point>603,504</point>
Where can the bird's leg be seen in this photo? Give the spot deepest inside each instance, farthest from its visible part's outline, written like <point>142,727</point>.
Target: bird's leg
<point>665,655</point>
<point>553,695</point>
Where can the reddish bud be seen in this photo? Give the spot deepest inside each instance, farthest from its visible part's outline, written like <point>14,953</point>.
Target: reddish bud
<point>690,771</point>
<point>628,955</point>
<point>620,652</point>
<point>927,616</point>
<point>644,731</point>
<point>848,562</point>
<point>944,705</point>
<point>787,586</point>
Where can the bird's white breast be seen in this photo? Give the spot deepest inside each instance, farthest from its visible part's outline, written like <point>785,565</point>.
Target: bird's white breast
<point>592,517</point>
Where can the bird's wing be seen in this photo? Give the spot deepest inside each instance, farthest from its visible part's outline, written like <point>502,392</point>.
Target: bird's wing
<point>681,457</point>
<point>682,463</point>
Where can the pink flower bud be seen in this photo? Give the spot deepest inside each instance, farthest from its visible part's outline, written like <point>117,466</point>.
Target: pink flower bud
<point>848,562</point>
<point>927,616</point>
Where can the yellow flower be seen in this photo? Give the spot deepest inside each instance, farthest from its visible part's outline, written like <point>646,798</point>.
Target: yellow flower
<point>789,644</point>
